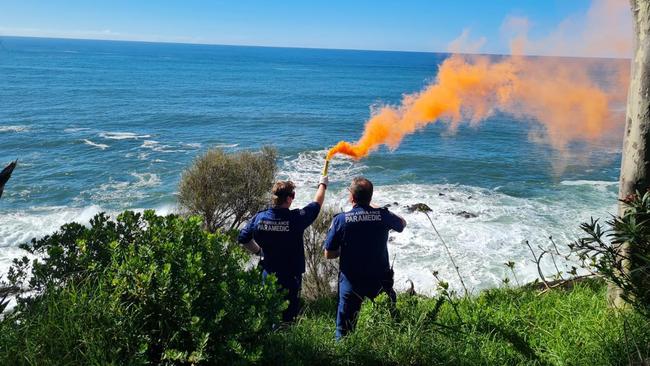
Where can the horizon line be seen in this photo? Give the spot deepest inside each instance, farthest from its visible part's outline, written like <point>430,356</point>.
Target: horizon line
<point>293,47</point>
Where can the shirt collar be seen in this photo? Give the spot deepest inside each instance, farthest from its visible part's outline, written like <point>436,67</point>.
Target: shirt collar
<point>365,207</point>
<point>279,209</point>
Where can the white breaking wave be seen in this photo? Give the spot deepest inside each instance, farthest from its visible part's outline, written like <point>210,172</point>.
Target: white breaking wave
<point>480,245</point>
<point>156,146</point>
<point>123,191</point>
<point>122,136</point>
<point>596,184</point>
<point>94,144</point>
<point>484,228</point>
<point>20,227</point>
<point>149,144</point>
<point>145,180</point>
<point>306,167</point>
<point>75,129</point>
<point>194,145</point>
<point>14,128</point>
<point>588,183</point>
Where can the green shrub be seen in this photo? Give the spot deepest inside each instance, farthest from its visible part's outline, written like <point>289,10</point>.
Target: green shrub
<point>139,289</point>
<point>226,189</point>
<point>621,252</point>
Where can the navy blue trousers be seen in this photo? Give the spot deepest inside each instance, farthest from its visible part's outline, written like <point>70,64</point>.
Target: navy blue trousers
<point>352,294</point>
<point>291,286</point>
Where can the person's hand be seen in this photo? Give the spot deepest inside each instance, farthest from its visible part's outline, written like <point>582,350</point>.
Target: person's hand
<point>324,180</point>
<point>260,253</point>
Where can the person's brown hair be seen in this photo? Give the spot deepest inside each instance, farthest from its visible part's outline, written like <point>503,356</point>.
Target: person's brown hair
<point>282,190</point>
<point>361,189</point>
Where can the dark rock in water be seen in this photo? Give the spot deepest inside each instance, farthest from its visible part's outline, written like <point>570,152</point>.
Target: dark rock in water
<point>396,203</point>
<point>419,207</point>
<point>391,239</point>
<point>465,214</point>
<point>441,194</point>
<point>469,197</point>
<point>5,174</point>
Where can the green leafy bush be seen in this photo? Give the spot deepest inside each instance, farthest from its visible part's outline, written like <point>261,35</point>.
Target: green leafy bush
<point>139,289</point>
<point>226,189</point>
<point>621,252</point>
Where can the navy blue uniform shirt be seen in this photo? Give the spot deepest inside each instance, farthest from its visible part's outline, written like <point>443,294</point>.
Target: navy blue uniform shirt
<point>279,232</point>
<point>362,236</point>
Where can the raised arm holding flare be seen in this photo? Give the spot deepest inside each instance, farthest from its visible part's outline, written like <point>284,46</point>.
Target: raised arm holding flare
<point>276,234</point>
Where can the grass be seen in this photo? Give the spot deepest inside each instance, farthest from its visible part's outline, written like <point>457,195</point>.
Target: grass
<point>68,327</point>
<point>505,326</point>
<point>498,327</point>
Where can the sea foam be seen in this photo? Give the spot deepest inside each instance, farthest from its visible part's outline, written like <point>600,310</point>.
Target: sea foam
<point>94,144</point>
<point>20,227</point>
<point>123,190</point>
<point>494,232</point>
<point>14,128</point>
<point>156,146</point>
<point>122,136</point>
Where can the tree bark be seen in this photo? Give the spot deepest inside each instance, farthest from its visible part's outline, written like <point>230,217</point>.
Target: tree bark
<point>635,164</point>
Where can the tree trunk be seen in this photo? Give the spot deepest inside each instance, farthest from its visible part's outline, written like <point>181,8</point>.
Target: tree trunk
<point>635,166</point>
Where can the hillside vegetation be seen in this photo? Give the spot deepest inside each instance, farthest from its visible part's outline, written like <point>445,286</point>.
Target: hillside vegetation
<point>146,289</point>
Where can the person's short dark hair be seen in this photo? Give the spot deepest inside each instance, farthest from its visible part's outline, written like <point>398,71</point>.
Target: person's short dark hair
<point>282,190</point>
<point>361,189</point>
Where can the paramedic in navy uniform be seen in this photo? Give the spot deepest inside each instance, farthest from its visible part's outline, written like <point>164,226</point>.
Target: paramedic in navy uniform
<point>276,234</point>
<point>359,238</point>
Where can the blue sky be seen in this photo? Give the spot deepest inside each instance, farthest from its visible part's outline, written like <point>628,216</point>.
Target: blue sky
<point>414,25</point>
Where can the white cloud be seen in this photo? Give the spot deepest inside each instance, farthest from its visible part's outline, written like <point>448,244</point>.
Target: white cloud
<point>105,34</point>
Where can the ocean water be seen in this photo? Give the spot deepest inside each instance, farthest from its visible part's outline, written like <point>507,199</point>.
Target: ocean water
<point>107,126</point>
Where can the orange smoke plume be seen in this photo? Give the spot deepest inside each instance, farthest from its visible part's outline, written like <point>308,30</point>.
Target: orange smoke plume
<point>560,94</point>
<point>562,97</point>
